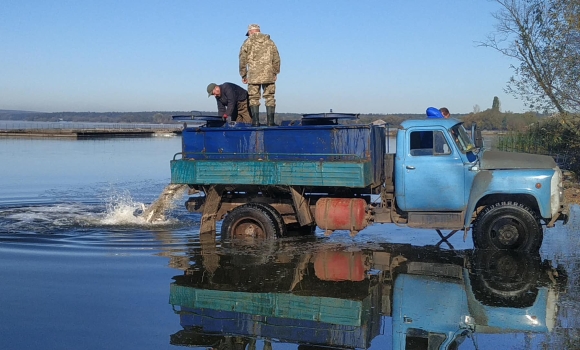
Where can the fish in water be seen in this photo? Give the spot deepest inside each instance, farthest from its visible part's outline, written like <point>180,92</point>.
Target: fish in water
<point>157,210</point>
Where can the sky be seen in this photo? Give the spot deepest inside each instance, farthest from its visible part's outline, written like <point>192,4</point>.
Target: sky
<point>383,56</point>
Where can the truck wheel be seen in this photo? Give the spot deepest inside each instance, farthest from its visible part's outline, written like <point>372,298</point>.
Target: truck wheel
<point>253,220</point>
<point>278,220</point>
<point>505,278</point>
<point>508,225</point>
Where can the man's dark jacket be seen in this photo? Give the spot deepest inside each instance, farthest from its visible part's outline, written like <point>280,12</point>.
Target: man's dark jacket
<point>231,94</point>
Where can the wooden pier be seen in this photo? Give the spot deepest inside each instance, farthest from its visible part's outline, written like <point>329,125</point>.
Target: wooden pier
<point>87,130</point>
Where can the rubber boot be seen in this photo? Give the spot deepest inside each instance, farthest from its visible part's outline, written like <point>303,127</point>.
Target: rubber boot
<point>270,111</point>
<point>255,112</point>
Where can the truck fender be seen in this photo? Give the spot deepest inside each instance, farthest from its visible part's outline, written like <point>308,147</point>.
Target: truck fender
<point>498,183</point>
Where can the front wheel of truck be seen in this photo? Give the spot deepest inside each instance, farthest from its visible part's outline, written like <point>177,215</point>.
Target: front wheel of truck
<point>505,278</point>
<point>253,221</point>
<point>508,225</point>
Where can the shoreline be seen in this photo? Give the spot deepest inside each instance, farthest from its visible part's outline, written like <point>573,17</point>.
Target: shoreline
<point>86,133</point>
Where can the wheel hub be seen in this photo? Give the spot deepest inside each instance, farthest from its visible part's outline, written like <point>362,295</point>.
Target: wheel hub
<point>248,230</point>
<point>507,234</point>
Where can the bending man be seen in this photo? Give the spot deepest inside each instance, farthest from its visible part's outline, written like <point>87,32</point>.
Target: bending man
<point>232,101</point>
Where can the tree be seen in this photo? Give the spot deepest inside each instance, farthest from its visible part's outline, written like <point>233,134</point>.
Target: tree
<point>496,105</point>
<point>158,118</point>
<point>544,37</point>
<point>571,9</point>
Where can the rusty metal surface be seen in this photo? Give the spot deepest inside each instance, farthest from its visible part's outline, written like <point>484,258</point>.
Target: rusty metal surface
<point>302,207</point>
<point>436,220</point>
<point>212,204</point>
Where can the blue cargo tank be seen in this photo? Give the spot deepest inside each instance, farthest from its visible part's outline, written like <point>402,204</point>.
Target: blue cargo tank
<point>303,155</point>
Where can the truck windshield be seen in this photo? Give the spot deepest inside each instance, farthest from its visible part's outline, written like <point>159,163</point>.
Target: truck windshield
<point>461,138</point>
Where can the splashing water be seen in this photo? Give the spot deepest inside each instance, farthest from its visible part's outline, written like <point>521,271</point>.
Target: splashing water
<point>120,210</point>
<point>156,211</point>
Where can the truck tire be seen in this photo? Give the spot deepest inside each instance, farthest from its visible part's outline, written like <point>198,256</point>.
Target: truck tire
<point>278,220</point>
<point>505,278</point>
<point>253,220</point>
<point>508,225</point>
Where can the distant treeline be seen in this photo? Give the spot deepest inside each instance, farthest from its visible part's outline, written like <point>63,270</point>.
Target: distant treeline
<point>491,119</point>
<point>96,117</point>
<point>166,116</point>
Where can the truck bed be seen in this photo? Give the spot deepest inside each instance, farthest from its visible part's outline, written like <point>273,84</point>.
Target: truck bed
<point>303,155</point>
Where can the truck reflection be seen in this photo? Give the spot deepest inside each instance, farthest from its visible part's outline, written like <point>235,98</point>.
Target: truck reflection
<point>322,295</point>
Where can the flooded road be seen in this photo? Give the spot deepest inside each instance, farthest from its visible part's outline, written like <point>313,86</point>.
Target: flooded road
<point>81,270</point>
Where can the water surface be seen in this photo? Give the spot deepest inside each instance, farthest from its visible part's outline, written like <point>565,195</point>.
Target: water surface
<point>81,270</point>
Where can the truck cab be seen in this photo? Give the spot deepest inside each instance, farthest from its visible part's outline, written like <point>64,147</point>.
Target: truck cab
<point>432,155</point>
<point>444,181</point>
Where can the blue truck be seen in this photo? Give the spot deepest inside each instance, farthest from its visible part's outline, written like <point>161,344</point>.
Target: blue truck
<point>326,170</point>
<point>324,295</point>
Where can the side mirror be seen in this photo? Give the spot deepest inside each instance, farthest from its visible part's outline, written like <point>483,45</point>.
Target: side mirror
<point>476,136</point>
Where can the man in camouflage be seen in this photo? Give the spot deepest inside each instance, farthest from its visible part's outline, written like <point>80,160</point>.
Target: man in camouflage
<point>259,67</point>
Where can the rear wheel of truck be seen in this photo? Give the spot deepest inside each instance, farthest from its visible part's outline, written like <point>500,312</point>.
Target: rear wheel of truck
<point>253,221</point>
<point>508,225</point>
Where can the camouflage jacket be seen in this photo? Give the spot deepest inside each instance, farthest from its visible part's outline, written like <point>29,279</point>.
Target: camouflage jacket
<point>259,59</point>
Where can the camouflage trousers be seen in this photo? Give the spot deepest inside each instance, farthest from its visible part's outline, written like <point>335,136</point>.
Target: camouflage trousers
<point>268,93</point>
<point>242,113</point>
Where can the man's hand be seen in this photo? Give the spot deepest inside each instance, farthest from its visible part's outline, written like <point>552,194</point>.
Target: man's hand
<point>244,80</point>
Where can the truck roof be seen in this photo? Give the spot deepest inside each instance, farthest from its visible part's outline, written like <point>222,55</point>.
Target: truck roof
<point>446,123</point>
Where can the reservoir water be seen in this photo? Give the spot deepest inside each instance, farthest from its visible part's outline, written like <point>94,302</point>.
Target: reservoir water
<point>79,270</point>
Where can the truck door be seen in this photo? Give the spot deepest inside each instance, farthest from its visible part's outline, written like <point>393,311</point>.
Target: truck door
<point>433,172</point>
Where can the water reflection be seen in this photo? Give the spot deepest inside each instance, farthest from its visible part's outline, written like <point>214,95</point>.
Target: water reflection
<point>318,294</point>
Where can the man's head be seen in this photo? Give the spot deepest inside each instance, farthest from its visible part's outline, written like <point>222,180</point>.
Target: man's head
<point>253,28</point>
<point>445,112</point>
<point>213,89</point>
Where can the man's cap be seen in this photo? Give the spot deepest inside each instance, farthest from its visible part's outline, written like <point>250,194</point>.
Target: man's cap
<point>252,27</point>
<point>210,88</point>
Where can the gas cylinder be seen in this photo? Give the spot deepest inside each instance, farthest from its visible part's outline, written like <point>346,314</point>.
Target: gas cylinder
<point>340,266</point>
<point>341,214</point>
